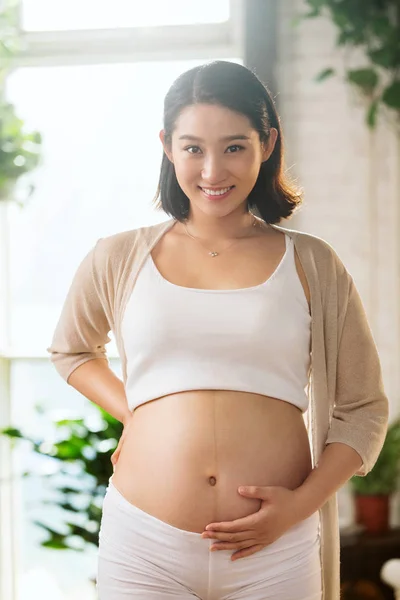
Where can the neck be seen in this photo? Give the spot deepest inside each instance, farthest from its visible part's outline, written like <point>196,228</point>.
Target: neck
<point>216,229</point>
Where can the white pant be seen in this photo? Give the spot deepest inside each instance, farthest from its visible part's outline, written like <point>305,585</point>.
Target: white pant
<point>142,557</point>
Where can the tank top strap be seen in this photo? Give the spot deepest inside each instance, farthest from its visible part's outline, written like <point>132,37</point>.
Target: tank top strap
<point>292,275</point>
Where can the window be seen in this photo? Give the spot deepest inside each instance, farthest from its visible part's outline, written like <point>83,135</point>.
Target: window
<point>101,158</point>
<point>99,112</point>
<point>47,15</point>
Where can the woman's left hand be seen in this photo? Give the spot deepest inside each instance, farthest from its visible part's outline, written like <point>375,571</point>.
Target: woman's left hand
<point>278,512</point>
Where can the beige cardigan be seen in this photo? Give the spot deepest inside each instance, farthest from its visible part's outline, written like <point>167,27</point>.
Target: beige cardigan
<point>347,398</point>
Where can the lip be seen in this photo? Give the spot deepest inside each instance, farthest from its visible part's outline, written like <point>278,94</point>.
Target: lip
<point>219,197</point>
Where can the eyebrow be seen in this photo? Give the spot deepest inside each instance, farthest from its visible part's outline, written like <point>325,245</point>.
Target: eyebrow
<point>228,138</point>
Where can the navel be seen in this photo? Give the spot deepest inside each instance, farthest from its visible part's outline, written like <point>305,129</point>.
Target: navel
<point>212,480</point>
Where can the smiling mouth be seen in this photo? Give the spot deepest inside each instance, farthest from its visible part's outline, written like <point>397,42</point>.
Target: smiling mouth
<point>216,192</point>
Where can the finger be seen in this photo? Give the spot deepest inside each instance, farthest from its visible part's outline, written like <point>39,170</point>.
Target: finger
<point>246,552</point>
<point>115,455</point>
<point>237,536</point>
<point>243,524</point>
<point>253,491</point>
<point>117,451</point>
<point>231,546</point>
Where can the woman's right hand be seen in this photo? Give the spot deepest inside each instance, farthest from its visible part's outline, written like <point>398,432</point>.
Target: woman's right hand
<point>117,451</point>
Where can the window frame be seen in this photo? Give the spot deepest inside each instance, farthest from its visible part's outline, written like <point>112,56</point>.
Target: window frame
<point>136,44</point>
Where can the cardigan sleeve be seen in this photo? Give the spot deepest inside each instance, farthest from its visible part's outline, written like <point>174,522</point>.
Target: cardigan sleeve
<point>360,413</point>
<point>83,327</point>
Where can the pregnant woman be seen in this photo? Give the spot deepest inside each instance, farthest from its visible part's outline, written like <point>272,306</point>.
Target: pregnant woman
<point>251,389</point>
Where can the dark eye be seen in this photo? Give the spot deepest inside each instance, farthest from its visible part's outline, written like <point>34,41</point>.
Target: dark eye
<point>191,147</point>
<point>236,146</point>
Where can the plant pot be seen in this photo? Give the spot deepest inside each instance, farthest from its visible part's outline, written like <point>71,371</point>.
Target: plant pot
<point>372,512</point>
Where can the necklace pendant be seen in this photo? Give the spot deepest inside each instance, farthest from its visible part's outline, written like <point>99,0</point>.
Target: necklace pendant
<point>213,254</point>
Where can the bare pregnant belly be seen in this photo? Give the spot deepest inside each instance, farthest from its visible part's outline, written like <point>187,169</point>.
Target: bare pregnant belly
<point>186,454</point>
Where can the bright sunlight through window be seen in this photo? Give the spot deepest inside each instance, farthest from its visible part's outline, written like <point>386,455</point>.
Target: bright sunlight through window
<point>46,15</point>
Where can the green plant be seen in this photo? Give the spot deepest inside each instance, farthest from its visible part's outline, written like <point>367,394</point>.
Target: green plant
<point>87,446</point>
<point>19,149</point>
<point>10,40</point>
<point>372,26</point>
<point>384,478</point>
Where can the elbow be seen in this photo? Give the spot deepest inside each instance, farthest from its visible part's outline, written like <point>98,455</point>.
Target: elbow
<point>365,431</point>
<point>66,363</point>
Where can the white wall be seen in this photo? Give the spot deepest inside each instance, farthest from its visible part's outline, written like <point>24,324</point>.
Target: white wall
<point>350,178</point>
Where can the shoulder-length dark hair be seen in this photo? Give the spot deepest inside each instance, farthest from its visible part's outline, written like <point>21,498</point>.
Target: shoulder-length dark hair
<point>236,87</point>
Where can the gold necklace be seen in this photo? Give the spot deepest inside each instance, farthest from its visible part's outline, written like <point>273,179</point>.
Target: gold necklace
<point>212,253</point>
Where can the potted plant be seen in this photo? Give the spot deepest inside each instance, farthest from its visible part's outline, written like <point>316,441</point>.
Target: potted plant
<point>81,450</point>
<point>372,493</point>
<point>372,29</point>
<point>87,444</point>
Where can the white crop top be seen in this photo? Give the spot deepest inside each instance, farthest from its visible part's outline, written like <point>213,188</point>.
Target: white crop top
<point>254,339</point>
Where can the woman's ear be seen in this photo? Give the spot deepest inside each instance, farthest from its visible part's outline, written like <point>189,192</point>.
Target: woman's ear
<point>269,146</point>
<point>167,148</point>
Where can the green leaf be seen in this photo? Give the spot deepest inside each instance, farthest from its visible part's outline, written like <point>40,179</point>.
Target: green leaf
<point>381,26</point>
<point>339,18</point>
<point>366,79</point>
<point>71,448</point>
<point>11,432</point>
<point>325,74</point>
<point>56,545</point>
<point>384,57</point>
<point>391,95</point>
<point>69,506</point>
<point>69,490</point>
<point>372,113</point>
<point>71,422</point>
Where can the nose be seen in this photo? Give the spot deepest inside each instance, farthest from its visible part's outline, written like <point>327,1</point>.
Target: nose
<point>213,171</point>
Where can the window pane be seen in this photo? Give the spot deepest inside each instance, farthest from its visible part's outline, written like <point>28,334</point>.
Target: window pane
<point>45,15</point>
<point>45,574</point>
<point>102,154</point>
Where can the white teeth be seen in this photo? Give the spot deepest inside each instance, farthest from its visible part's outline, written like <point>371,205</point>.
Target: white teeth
<point>216,193</point>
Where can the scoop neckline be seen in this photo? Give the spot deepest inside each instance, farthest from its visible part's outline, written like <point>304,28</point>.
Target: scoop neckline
<point>234,290</point>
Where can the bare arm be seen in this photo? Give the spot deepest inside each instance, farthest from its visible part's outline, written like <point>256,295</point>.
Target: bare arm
<point>338,462</point>
<point>95,380</point>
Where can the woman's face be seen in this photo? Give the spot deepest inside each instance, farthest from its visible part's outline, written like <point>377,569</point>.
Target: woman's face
<point>214,150</point>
